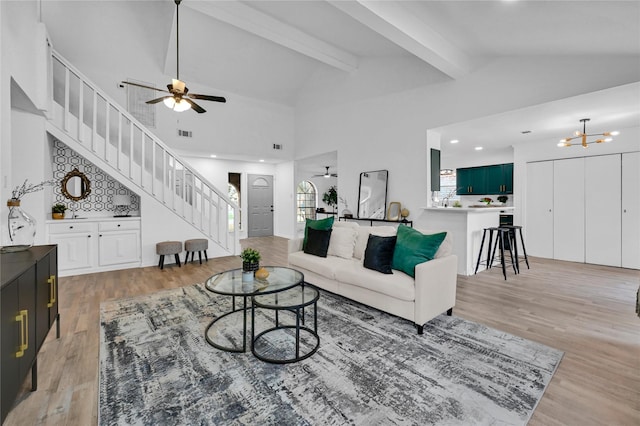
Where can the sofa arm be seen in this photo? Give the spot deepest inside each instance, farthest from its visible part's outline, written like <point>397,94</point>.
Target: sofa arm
<point>435,282</point>
<point>294,245</point>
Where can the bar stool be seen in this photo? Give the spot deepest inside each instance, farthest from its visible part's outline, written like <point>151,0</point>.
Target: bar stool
<point>503,239</point>
<point>484,234</point>
<point>513,239</point>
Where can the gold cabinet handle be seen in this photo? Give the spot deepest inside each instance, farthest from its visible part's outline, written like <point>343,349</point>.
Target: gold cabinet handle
<point>52,290</point>
<point>23,317</point>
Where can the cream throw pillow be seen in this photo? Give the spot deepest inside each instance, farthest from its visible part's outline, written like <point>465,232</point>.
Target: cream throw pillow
<point>363,237</point>
<point>342,242</point>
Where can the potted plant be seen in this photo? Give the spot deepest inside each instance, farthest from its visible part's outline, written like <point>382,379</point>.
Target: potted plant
<point>503,199</point>
<point>330,197</point>
<point>250,259</point>
<point>57,211</point>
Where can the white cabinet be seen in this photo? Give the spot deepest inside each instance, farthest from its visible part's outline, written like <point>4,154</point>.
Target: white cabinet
<point>631,210</point>
<point>119,242</point>
<point>75,244</point>
<point>603,227</point>
<point>595,206</point>
<point>568,209</point>
<point>93,245</point>
<point>539,211</point>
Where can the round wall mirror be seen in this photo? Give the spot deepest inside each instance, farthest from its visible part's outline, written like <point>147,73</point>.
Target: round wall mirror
<point>75,185</point>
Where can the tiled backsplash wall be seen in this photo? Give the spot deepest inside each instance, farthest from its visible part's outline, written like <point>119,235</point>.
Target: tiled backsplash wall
<point>103,187</point>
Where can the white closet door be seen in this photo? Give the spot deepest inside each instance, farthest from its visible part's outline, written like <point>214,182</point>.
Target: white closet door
<point>568,209</point>
<point>538,227</point>
<point>631,210</point>
<point>603,223</point>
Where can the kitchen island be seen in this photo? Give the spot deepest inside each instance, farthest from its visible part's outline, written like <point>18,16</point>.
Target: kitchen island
<point>466,224</point>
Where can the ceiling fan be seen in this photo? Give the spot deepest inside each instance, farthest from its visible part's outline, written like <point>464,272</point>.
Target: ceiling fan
<point>179,98</point>
<point>327,174</point>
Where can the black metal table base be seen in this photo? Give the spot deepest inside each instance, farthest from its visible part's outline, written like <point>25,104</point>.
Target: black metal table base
<point>244,310</point>
<point>299,312</point>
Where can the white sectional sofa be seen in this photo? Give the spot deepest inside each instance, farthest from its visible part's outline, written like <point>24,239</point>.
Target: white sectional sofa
<point>432,292</point>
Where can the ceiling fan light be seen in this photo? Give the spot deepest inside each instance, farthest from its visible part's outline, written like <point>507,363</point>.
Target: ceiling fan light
<point>181,105</point>
<point>608,139</point>
<point>169,102</point>
<point>614,133</point>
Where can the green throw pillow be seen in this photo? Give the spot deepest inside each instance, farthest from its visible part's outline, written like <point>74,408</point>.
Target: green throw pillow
<point>413,247</point>
<point>319,225</point>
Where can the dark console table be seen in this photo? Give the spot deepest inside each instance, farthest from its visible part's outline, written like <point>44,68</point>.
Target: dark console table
<point>402,222</point>
<point>29,307</point>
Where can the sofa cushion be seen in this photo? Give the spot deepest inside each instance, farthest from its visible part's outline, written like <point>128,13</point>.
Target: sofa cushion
<point>325,266</point>
<point>399,286</point>
<point>321,224</point>
<point>446,248</point>
<point>317,242</point>
<point>363,237</point>
<point>413,247</point>
<point>379,253</point>
<point>343,240</point>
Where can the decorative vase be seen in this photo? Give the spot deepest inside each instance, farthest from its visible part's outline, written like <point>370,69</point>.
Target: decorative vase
<point>250,266</point>
<point>22,228</point>
<point>247,276</point>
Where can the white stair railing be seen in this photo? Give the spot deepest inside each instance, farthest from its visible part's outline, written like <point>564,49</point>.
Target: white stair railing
<point>126,147</point>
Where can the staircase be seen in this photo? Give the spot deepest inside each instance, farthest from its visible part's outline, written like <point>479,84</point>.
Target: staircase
<point>91,123</point>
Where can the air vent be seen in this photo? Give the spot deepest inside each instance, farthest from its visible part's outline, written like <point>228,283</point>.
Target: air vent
<point>185,133</point>
<point>277,146</point>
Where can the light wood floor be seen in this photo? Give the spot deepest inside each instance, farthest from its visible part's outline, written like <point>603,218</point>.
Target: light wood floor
<point>585,310</point>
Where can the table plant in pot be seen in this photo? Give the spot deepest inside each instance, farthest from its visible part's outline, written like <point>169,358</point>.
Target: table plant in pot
<point>57,211</point>
<point>250,262</point>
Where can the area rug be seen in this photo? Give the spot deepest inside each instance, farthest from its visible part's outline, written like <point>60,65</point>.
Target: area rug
<point>156,368</point>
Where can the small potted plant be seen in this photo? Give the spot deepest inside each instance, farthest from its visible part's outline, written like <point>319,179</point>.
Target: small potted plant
<point>503,199</point>
<point>250,259</point>
<point>57,211</point>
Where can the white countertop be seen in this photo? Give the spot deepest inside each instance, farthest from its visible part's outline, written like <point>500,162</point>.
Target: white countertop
<point>94,219</point>
<point>509,209</point>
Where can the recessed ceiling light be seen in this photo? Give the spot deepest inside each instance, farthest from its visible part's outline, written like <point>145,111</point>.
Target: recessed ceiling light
<point>213,156</point>
<point>261,160</point>
<point>454,141</point>
<point>478,148</point>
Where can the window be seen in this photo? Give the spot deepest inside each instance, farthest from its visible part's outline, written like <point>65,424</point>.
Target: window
<point>306,201</point>
<point>448,186</point>
<point>233,196</point>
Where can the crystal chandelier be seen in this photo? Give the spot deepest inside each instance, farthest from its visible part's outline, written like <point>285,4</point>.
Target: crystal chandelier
<point>583,135</point>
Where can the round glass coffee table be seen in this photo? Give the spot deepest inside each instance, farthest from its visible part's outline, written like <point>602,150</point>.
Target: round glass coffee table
<point>230,283</point>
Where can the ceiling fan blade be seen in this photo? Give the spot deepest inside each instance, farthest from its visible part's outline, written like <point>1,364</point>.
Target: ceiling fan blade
<point>155,101</point>
<point>207,97</point>
<point>143,86</point>
<point>197,108</point>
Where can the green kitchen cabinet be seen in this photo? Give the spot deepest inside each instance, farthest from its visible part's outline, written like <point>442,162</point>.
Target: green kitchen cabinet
<point>499,179</point>
<point>485,180</point>
<point>471,181</point>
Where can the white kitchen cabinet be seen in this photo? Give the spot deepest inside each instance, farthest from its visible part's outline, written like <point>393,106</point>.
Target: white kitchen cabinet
<point>539,210</point>
<point>630,244</point>
<point>603,222</point>
<point>94,245</point>
<point>568,209</point>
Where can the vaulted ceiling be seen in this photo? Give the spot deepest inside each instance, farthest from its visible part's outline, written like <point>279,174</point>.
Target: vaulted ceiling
<point>283,51</point>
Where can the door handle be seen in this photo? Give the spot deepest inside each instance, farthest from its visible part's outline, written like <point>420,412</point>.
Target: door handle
<point>23,317</point>
<point>52,290</point>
